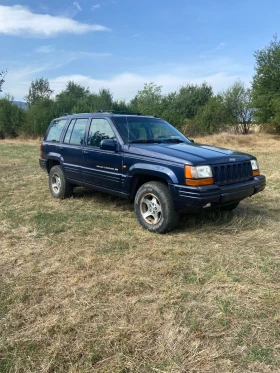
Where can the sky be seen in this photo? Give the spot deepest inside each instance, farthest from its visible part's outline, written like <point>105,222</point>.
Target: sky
<point>122,44</point>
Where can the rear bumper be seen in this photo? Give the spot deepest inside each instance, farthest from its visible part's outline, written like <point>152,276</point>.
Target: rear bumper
<point>189,198</point>
<point>43,164</point>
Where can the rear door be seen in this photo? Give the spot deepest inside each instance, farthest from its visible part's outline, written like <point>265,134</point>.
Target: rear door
<point>101,167</point>
<point>72,149</point>
<point>52,138</point>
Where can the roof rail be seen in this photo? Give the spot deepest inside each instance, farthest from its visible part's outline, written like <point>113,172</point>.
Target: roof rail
<point>118,112</point>
<point>111,112</point>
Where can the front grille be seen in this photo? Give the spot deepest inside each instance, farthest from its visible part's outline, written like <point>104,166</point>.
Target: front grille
<point>231,173</point>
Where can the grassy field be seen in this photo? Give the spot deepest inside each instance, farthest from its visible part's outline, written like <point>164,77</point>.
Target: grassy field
<point>83,288</point>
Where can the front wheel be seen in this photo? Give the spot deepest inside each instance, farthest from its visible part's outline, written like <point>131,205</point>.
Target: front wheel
<point>59,186</point>
<point>154,207</point>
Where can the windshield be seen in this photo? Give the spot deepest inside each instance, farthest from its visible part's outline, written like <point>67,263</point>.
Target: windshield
<point>147,130</point>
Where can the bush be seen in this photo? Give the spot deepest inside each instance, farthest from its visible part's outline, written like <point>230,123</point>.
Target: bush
<point>11,118</point>
<point>38,118</point>
<point>209,119</point>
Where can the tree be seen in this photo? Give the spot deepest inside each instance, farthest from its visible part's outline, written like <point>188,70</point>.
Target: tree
<point>239,108</point>
<point>94,101</point>
<point>169,109</point>
<point>38,118</point>
<point>148,101</point>
<point>11,118</point>
<point>266,83</point>
<point>121,106</point>
<point>39,90</point>
<point>3,74</point>
<point>71,97</point>
<point>73,91</point>
<point>191,97</point>
<point>174,107</point>
<point>209,119</point>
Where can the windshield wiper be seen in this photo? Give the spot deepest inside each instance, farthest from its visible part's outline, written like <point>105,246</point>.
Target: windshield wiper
<point>148,141</point>
<point>173,140</point>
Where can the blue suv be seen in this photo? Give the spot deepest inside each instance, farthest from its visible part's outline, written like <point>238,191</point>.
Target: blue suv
<point>148,161</point>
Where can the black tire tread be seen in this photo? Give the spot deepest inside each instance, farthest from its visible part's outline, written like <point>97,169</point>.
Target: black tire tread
<point>171,215</point>
<point>66,187</point>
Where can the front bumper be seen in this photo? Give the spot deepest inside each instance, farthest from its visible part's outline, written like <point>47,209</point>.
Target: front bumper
<point>188,198</point>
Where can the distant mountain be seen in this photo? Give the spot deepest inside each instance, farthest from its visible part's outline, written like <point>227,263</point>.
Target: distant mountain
<point>20,104</point>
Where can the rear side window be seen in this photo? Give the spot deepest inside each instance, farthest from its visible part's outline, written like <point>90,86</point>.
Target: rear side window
<point>55,130</point>
<point>76,132</point>
<point>99,130</point>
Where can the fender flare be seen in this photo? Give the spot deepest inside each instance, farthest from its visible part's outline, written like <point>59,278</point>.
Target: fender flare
<point>154,170</point>
<point>55,157</point>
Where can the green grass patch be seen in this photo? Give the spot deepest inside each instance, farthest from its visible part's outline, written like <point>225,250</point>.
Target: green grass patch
<point>83,288</point>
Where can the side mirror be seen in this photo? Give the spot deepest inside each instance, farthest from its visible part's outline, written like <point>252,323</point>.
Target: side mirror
<point>108,144</point>
<point>191,140</point>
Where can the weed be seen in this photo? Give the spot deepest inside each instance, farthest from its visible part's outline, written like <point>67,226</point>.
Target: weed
<point>83,288</point>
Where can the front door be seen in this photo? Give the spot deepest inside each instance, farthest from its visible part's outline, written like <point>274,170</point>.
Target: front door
<point>101,167</point>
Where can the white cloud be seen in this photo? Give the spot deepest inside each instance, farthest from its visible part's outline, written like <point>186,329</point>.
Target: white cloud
<point>19,20</point>
<point>66,56</point>
<point>125,86</point>
<point>77,5</point>
<point>219,73</point>
<point>45,49</point>
<point>96,6</point>
<point>91,54</point>
<point>216,49</point>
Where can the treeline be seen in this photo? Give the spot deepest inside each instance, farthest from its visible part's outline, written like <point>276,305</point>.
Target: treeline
<point>194,109</point>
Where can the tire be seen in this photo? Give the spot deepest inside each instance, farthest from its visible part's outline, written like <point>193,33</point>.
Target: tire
<point>230,207</point>
<point>154,207</point>
<point>59,186</point>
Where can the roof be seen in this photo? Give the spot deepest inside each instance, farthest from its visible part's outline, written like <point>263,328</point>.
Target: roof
<point>105,114</point>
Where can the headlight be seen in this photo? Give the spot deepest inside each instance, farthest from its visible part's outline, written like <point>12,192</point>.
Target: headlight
<point>255,167</point>
<point>254,164</point>
<point>199,175</point>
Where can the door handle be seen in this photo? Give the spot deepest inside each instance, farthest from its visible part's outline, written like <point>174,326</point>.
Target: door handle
<point>85,151</point>
<point>60,147</point>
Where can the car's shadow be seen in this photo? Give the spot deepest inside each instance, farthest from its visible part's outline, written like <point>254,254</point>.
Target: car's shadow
<point>240,219</point>
<point>243,218</point>
<point>103,198</point>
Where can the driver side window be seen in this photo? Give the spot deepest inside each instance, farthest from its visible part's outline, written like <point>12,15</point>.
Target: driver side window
<point>99,130</point>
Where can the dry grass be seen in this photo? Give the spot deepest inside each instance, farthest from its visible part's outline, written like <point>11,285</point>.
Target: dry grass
<point>84,289</point>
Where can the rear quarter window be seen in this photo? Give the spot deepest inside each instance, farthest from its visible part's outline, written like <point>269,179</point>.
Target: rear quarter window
<point>55,130</point>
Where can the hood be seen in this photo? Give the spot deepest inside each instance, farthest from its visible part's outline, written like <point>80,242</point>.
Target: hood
<point>188,153</point>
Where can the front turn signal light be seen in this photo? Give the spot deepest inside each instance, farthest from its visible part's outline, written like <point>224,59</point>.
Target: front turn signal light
<point>255,167</point>
<point>200,182</point>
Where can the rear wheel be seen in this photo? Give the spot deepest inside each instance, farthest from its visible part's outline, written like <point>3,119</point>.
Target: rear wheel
<point>154,207</point>
<point>59,186</point>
